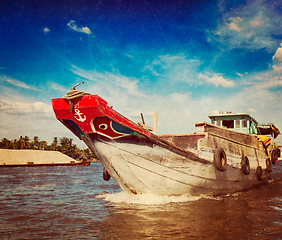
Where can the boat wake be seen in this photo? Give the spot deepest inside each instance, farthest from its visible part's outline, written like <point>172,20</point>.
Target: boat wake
<point>145,199</point>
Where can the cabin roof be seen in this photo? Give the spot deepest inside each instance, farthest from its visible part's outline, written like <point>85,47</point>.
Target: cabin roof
<point>268,129</point>
<point>232,115</point>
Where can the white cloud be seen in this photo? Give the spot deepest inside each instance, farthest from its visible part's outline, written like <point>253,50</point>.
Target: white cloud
<point>277,68</point>
<point>277,57</point>
<point>71,24</point>
<point>234,24</point>
<point>180,97</point>
<point>216,80</point>
<point>168,70</point>
<point>250,25</point>
<point>261,96</point>
<point>256,23</point>
<point>250,110</point>
<point>20,108</point>
<point>17,83</point>
<point>137,113</point>
<point>46,30</point>
<point>130,85</point>
<point>235,27</point>
<point>174,67</point>
<point>57,86</point>
<point>278,54</point>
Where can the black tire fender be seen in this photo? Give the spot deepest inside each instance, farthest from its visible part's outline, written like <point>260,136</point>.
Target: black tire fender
<point>220,160</point>
<point>273,156</point>
<point>259,173</point>
<point>106,175</point>
<point>268,165</point>
<point>245,165</point>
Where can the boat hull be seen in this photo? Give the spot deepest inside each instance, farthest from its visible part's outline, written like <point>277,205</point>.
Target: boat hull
<point>141,162</point>
<point>149,168</point>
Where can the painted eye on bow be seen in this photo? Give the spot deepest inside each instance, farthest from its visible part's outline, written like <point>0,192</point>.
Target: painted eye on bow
<point>109,128</point>
<point>103,126</point>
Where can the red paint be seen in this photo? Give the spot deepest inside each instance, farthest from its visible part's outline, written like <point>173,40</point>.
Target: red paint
<point>104,127</point>
<point>92,107</point>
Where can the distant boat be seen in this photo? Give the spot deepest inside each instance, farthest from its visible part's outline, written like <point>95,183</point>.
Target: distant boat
<point>224,156</point>
<point>36,158</point>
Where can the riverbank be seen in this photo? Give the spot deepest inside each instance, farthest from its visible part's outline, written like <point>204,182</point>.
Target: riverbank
<point>30,158</point>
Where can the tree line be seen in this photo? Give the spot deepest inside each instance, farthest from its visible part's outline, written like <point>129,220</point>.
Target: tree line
<point>63,145</point>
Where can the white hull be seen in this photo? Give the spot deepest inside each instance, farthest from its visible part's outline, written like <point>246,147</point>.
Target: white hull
<point>143,169</point>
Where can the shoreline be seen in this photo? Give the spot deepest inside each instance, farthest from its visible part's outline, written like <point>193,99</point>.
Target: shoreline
<point>34,158</point>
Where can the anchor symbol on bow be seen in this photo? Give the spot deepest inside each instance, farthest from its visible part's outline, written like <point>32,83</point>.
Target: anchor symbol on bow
<point>78,116</point>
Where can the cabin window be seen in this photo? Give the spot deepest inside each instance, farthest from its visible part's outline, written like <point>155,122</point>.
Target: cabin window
<point>212,122</point>
<point>218,123</point>
<point>244,123</point>
<point>228,123</point>
<point>237,123</point>
<point>253,128</point>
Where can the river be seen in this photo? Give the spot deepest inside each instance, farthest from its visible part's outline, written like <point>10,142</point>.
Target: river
<point>76,203</point>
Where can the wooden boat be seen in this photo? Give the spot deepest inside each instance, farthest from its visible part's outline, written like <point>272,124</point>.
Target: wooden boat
<point>224,156</point>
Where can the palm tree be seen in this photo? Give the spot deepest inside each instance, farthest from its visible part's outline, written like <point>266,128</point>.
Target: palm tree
<point>5,143</point>
<point>15,144</point>
<point>35,142</point>
<point>54,144</point>
<point>89,155</point>
<point>67,147</point>
<point>26,142</point>
<point>21,143</point>
<point>64,142</point>
<point>43,145</point>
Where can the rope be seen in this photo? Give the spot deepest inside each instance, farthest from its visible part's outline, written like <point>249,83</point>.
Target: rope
<point>72,94</point>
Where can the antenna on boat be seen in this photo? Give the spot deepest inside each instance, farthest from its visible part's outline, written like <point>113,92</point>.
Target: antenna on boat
<point>143,121</point>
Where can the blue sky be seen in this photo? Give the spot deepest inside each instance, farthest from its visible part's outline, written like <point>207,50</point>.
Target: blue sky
<point>181,59</point>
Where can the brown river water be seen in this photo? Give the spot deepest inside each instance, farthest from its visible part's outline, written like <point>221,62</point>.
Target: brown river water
<point>76,203</point>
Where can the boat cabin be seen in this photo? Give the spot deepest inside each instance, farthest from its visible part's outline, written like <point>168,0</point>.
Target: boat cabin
<point>268,129</point>
<point>240,122</point>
